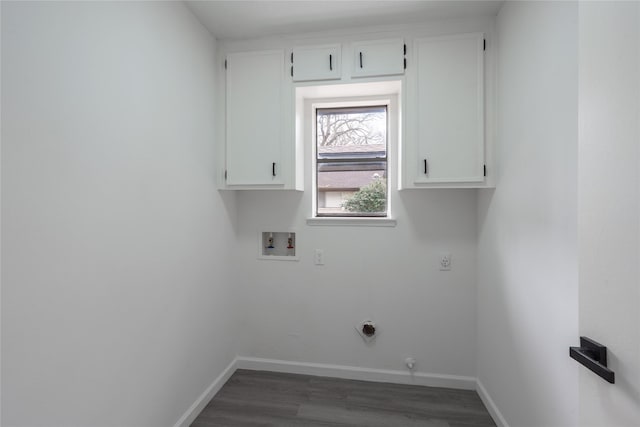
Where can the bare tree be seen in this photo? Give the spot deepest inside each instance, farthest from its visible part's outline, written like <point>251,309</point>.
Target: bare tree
<point>339,129</point>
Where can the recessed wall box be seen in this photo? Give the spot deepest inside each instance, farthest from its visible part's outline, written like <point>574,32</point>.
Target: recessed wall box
<point>277,245</point>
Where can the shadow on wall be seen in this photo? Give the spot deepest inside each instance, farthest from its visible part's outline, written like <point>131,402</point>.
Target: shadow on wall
<point>228,201</point>
<point>275,208</point>
<point>485,199</point>
<point>438,214</point>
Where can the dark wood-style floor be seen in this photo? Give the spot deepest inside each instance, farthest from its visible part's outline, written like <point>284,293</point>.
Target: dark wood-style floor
<point>256,398</point>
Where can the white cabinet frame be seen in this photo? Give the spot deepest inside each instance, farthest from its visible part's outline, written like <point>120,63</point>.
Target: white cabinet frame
<point>316,63</point>
<point>449,118</point>
<point>374,58</point>
<point>260,151</point>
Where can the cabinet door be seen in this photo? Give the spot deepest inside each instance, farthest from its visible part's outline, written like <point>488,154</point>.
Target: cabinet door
<point>316,63</point>
<point>254,118</point>
<point>450,110</point>
<point>378,58</point>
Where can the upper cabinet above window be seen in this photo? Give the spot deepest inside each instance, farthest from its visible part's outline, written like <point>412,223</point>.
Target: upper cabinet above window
<point>371,58</point>
<point>311,63</point>
<point>446,96</point>
<point>378,58</point>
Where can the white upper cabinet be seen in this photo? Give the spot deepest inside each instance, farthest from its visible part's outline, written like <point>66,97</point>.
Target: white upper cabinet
<point>449,111</point>
<point>442,119</point>
<point>257,144</point>
<point>316,63</point>
<point>378,58</point>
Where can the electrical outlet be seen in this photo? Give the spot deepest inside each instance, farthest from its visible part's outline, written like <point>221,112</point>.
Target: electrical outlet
<point>319,257</point>
<point>445,262</point>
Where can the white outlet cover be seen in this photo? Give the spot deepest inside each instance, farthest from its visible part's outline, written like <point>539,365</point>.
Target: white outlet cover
<point>366,338</point>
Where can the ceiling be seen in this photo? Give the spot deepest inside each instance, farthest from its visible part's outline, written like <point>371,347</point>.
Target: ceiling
<point>252,19</point>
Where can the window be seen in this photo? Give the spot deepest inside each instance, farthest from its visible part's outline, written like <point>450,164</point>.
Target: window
<point>351,161</point>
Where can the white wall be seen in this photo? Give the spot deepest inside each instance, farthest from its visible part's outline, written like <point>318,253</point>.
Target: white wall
<point>297,311</point>
<point>527,265</point>
<point>120,300</point>
<point>116,299</point>
<point>609,192</point>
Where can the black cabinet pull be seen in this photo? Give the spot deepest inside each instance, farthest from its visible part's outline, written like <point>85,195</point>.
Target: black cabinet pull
<point>360,59</point>
<point>425,167</point>
<point>331,62</point>
<point>273,169</point>
<point>593,355</point>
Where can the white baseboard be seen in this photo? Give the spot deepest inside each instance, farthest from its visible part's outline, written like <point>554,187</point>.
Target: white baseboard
<point>491,405</point>
<point>357,373</point>
<point>341,371</point>
<point>194,410</point>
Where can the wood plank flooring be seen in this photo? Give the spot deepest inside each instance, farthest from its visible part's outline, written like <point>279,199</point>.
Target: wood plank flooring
<point>256,398</point>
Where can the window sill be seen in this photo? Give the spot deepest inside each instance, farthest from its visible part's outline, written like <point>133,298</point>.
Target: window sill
<point>352,222</point>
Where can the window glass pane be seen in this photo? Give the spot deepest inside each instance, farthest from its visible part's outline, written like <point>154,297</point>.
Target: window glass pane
<point>351,161</point>
<point>356,131</point>
<point>352,192</point>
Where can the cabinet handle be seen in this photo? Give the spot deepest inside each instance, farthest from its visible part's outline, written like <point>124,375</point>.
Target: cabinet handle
<point>426,170</point>
<point>360,59</point>
<point>273,169</point>
<point>331,62</point>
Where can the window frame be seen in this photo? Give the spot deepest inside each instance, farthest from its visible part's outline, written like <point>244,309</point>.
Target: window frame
<point>390,99</point>
<point>364,159</point>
